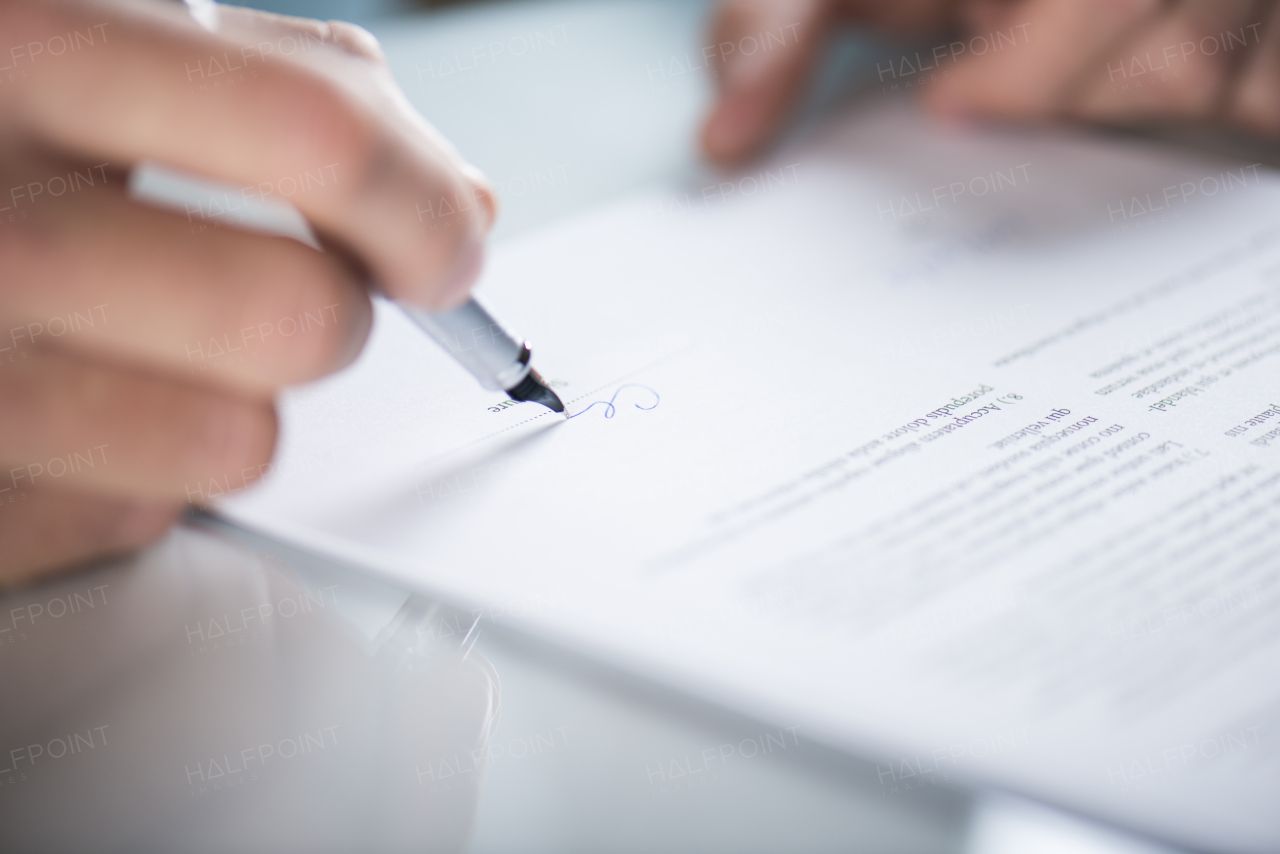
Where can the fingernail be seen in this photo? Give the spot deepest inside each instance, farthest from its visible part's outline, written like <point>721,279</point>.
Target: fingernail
<point>466,269</point>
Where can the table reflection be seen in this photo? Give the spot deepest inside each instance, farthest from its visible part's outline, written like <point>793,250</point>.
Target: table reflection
<point>199,696</point>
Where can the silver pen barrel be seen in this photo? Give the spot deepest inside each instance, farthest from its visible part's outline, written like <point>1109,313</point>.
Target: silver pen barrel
<point>477,341</point>
<point>474,338</point>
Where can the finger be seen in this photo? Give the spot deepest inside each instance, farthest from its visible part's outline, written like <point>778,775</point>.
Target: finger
<point>248,25</point>
<point>1255,102</point>
<point>89,270</point>
<point>87,427</point>
<point>360,165</point>
<point>44,531</point>
<point>1178,68</point>
<point>763,52</point>
<point>1037,79</point>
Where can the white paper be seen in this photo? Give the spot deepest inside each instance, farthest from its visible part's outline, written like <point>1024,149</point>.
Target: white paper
<point>982,483</point>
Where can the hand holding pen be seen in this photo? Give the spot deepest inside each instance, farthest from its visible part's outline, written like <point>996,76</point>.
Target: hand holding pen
<point>140,350</point>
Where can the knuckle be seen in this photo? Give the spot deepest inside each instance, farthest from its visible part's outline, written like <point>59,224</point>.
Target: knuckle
<point>313,312</point>
<point>439,261</point>
<point>327,126</point>
<point>356,40</point>
<point>233,439</point>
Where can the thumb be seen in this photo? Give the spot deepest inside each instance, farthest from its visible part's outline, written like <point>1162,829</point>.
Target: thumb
<point>763,52</point>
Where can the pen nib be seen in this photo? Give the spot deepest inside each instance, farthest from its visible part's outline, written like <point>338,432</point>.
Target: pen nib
<point>533,388</point>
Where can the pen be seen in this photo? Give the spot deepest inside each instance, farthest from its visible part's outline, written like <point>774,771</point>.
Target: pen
<point>468,333</point>
<point>474,338</point>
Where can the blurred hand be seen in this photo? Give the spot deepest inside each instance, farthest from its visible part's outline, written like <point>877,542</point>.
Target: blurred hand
<point>1113,61</point>
<point>140,349</point>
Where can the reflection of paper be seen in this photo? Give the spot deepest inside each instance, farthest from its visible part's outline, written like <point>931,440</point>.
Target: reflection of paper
<point>199,697</point>
<point>962,460</point>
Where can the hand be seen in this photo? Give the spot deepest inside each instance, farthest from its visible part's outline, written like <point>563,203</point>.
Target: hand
<point>1111,61</point>
<point>140,349</point>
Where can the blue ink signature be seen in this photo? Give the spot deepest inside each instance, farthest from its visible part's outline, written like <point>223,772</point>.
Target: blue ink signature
<point>610,409</point>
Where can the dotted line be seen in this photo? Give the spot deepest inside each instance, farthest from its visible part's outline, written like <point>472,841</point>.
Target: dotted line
<point>547,412</point>
<point>486,436</point>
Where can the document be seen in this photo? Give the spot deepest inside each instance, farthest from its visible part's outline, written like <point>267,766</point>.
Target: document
<point>955,448</point>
